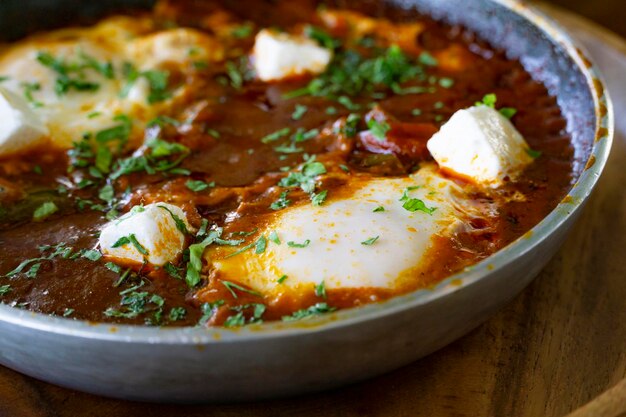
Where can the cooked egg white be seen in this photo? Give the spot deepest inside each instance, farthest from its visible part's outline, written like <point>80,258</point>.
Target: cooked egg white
<point>118,41</point>
<point>366,239</point>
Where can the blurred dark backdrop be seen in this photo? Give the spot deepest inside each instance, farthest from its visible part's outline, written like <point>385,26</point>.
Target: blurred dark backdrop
<point>608,13</point>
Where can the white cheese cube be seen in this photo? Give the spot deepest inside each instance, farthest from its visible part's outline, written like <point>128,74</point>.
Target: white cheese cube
<point>279,55</point>
<point>149,233</point>
<point>20,127</point>
<point>481,144</point>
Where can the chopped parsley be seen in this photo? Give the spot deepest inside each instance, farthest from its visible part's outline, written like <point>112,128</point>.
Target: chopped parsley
<point>282,201</point>
<point>314,310</point>
<point>231,287</point>
<point>130,239</point>
<point>71,75</point>
<point>135,303</point>
<point>157,82</point>
<point>415,204</point>
<point>378,209</point>
<point>299,111</point>
<point>427,59</point>
<point>239,319</point>
<point>242,31</point>
<point>197,185</point>
<point>276,135</point>
<point>5,289</point>
<point>91,254</point>
<point>305,179</point>
<point>304,244</point>
<point>208,310</point>
<point>29,89</point>
<point>260,245</point>
<point>44,211</point>
<point>318,198</point>
<point>489,100</point>
<point>177,313</point>
<point>370,241</point>
<point>320,290</point>
<point>194,266</point>
<point>180,224</point>
<point>282,279</point>
<point>378,129</point>
<point>273,237</point>
<point>533,153</point>
<point>350,74</point>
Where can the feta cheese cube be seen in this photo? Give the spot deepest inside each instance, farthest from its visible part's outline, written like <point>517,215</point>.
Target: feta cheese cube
<point>20,127</point>
<point>154,233</point>
<point>481,144</point>
<point>279,55</point>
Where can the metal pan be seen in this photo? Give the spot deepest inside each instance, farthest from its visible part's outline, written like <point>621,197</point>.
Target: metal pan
<point>281,359</point>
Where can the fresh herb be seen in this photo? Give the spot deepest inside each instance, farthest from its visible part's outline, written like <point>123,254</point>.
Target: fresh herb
<point>348,103</point>
<point>378,209</point>
<point>173,271</point>
<point>305,179</point>
<point>489,100</point>
<point>533,153</point>
<point>320,290</point>
<point>344,168</point>
<point>427,59</point>
<point>177,313</point>
<point>208,310</point>
<point>318,198</point>
<point>415,204</point>
<point>91,254</point>
<point>276,135</point>
<point>44,211</point>
<point>242,31</point>
<point>113,267</point>
<point>351,74</point>
<point>135,303</point>
<point>231,287</point>
<point>282,201</point>
<point>260,245</point>
<point>29,89</point>
<point>321,36</point>
<point>299,111</point>
<point>71,75</point>
<point>130,239</point>
<point>194,266</point>
<point>282,279</point>
<point>5,289</point>
<point>304,244</point>
<point>446,82</point>
<point>239,319</point>
<point>370,241</point>
<point>378,129</point>
<point>68,312</point>
<point>197,185</point>
<point>273,237</point>
<point>157,82</point>
<point>180,224</point>
<point>314,310</point>
<point>416,112</point>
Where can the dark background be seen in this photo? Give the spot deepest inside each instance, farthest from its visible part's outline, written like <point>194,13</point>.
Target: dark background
<point>610,14</point>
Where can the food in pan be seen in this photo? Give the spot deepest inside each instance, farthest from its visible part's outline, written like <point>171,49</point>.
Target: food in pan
<point>229,163</point>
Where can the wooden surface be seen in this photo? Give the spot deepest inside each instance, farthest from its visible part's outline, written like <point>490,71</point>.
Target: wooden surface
<point>559,345</point>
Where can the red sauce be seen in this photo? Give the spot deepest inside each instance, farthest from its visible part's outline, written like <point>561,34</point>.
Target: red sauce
<point>245,170</point>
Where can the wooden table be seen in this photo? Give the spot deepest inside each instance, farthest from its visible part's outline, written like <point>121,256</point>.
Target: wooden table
<point>557,346</point>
